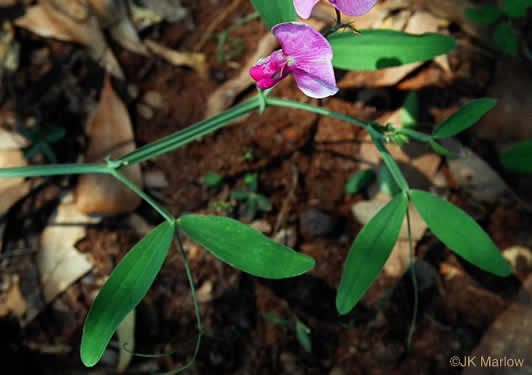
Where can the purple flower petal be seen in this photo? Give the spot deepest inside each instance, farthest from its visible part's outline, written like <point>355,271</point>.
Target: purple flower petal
<point>300,41</point>
<point>314,86</point>
<point>352,7</point>
<point>306,54</point>
<point>267,72</point>
<point>304,7</point>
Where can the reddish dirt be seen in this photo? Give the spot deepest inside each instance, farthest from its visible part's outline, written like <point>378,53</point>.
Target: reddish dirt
<point>285,145</point>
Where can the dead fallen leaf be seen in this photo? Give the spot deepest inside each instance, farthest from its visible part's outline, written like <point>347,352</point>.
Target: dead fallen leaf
<point>12,302</point>
<point>225,95</point>
<point>195,61</point>
<point>11,140</point>
<point>111,134</point>
<point>126,339</point>
<point>60,263</point>
<point>510,119</point>
<point>168,10</point>
<point>473,174</point>
<point>141,17</point>
<point>7,3</point>
<point>71,21</point>
<point>113,15</point>
<point>9,50</point>
<point>508,337</point>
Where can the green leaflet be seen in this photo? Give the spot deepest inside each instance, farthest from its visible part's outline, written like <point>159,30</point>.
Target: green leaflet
<point>519,157</point>
<point>369,252</point>
<point>464,118</point>
<point>378,49</point>
<point>274,12</point>
<point>410,111</point>
<point>484,15</point>
<point>460,233</point>
<point>124,290</point>
<point>506,39</point>
<point>244,248</point>
<point>516,8</point>
<point>359,181</point>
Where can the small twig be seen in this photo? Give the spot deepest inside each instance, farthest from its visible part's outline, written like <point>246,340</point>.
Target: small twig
<point>338,17</point>
<point>214,24</point>
<point>286,203</point>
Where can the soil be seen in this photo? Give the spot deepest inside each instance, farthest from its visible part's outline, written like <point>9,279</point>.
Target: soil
<point>302,161</point>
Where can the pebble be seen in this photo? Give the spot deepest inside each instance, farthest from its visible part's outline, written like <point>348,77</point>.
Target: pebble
<point>145,111</point>
<point>287,237</point>
<point>316,222</point>
<point>154,99</point>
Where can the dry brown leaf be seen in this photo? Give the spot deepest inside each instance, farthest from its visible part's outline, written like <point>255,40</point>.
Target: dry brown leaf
<point>225,95</point>
<point>508,337</point>
<point>113,15</point>
<point>473,174</point>
<point>168,10</point>
<point>510,120</point>
<point>12,189</point>
<point>7,3</point>
<point>195,61</point>
<point>9,50</point>
<point>71,21</point>
<point>111,134</point>
<point>60,263</point>
<point>12,302</point>
<point>141,17</point>
<point>11,140</point>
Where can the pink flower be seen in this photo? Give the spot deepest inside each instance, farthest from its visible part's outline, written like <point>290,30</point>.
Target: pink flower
<point>349,7</point>
<point>306,54</point>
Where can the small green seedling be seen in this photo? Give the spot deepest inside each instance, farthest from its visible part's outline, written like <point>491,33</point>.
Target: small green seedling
<point>359,181</point>
<point>212,180</point>
<point>41,140</point>
<point>504,36</point>
<point>519,157</point>
<point>303,332</point>
<point>254,201</point>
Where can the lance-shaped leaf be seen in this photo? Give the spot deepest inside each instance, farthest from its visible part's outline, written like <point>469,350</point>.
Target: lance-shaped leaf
<point>410,111</point>
<point>124,290</point>
<point>519,157</point>
<point>369,252</point>
<point>484,15</point>
<point>464,118</point>
<point>460,233</point>
<point>244,248</point>
<point>379,49</point>
<point>359,181</point>
<point>274,12</point>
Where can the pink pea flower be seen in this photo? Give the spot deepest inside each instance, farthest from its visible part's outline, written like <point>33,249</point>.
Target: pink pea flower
<point>306,54</point>
<point>349,7</point>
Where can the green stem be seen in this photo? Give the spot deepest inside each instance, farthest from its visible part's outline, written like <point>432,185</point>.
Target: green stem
<point>53,170</point>
<point>120,177</point>
<point>414,283</point>
<point>276,102</point>
<point>190,133</point>
<point>389,161</point>
<point>196,308</point>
